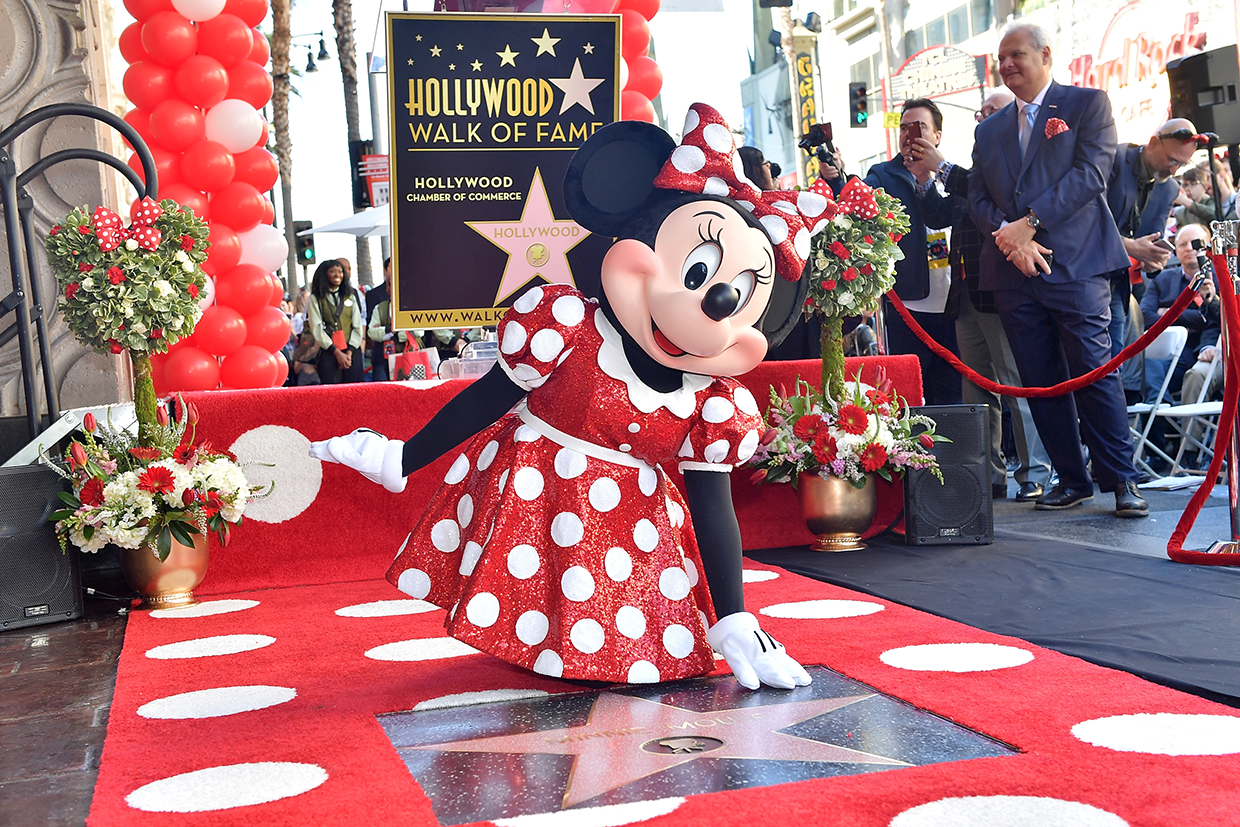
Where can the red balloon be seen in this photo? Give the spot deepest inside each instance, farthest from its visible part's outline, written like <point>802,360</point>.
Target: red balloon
<point>262,139</point>
<point>226,38</point>
<point>177,125</point>
<point>260,49</point>
<point>249,367</point>
<point>636,107</point>
<point>208,166</point>
<point>143,9</point>
<point>169,38</point>
<point>189,199</point>
<point>238,205</point>
<point>277,291</point>
<point>131,44</point>
<point>250,82</point>
<point>251,11</point>
<point>225,250</point>
<point>645,77</point>
<point>281,370</point>
<point>634,34</point>
<point>147,84</point>
<point>267,329</point>
<point>202,81</point>
<point>269,212</point>
<point>167,166</point>
<point>245,288</point>
<point>181,344</point>
<point>192,369</point>
<point>221,330</point>
<point>646,8</point>
<point>257,167</point>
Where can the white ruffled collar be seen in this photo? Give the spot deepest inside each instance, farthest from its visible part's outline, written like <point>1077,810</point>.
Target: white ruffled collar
<point>611,359</point>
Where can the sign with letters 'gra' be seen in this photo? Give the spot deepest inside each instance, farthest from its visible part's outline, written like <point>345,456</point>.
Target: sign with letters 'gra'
<point>487,112</point>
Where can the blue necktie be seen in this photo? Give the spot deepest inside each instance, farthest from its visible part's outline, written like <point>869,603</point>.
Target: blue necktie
<point>1030,113</point>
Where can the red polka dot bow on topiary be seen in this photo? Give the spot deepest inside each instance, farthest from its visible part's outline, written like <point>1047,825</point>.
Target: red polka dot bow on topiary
<point>112,233</point>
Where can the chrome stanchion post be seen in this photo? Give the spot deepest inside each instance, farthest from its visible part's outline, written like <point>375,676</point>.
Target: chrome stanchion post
<point>1224,237</point>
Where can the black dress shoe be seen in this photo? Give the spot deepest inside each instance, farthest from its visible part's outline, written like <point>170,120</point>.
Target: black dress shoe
<point>1061,497</point>
<point>1028,492</point>
<point>1128,503</point>
<point>998,490</point>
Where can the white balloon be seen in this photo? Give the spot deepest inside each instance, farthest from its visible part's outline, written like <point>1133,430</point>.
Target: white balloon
<point>624,75</point>
<point>206,296</point>
<point>199,10</point>
<point>235,124</point>
<point>263,246</point>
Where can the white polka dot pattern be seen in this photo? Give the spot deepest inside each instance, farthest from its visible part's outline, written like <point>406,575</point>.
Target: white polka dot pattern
<point>482,609</point>
<point>718,138</point>
<point>717,409</point>
<point>745,403</point>
<point>487,456</point>
<point>568,310</point>
<point>748,446</point>
<point>387,608</point>
<point>460,467</point>
<point>691,122</point>
<point>604,494</point>
<point>528,300</point>
<point>465,510</point>
<point>532,628</point>
<point>587,636</point>
<point>647,480</point>
<point>678,641</point>
<point>514,338</point>
<point>630,622</point>
<point>206,608</point>
<point>226,787</point>
<point>470,558</point>
<point>776,228</point>
<point>956,657</point>
<point>674,584</point>
<point>618,564</point>
<point>715,186</point>
<point>525,433</point>
<point>414,582</point>
<point>643,671</point>
<point>813,609</point>
<point>446,536</point>
<point>566,529</point>
<point>1163,733</point>
<point>210,647</point>
<point>717,451</point>
<point>688,159</point>
<point>527,483</point>
<point>756,576</point>
<point>546,345</point>
<point>421,649</point>
<point>216,703</point>
<point>523,562</point>
<point>569,464</point>
<point>577,584</point>
<point>1006,810</point>
<point>549,663</point>
<point>645,535</point>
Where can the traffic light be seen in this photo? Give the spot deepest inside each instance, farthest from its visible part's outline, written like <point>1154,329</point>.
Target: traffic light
<point>305,244</point>
<point>858,105</point>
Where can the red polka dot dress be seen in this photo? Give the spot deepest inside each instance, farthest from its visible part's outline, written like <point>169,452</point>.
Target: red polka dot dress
<point>556,542</point>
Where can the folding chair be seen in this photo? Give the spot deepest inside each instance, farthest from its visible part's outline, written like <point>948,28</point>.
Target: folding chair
<point>1195,422</point>
<point>1169,345</point>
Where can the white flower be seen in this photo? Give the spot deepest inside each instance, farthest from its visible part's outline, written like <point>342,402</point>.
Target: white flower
<point>181,256</point>
<point>845,299</point>
<point>88,283</point>
<point>138,327</point>
<point>131,244</point>
<point>187,266</point>
<point>127,308</point>
<point>97,541</point>
<point>181,479</point>
<point>163,288</point>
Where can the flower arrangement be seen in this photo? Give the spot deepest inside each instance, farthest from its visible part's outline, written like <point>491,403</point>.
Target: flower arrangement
<point>135,496</point>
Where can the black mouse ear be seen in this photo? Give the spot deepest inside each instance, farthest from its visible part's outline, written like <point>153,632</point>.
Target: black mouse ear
<point>784,309</point>
<point>611,177</point>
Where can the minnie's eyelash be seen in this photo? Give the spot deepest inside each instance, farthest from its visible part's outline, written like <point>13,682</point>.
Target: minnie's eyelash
<point>710,235</point>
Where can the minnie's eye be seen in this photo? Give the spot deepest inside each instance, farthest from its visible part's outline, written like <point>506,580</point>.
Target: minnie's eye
<point>701,264</point>
<point>743,284</point>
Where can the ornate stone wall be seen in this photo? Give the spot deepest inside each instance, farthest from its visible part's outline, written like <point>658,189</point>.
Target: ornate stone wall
<point>54,51</point>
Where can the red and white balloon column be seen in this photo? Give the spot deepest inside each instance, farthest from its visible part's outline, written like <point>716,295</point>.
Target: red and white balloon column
<point>198,81</point>
<point>640,77</point>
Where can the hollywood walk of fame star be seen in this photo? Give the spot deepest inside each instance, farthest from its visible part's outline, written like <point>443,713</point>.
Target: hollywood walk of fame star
<point>546,43</point>
<point>588,48</point>
<point>628,738</point>
<point>576,88</point>
<point>537,225</point>
<point>477,64</point>
<point>508,57</point>
<point>435,50</point>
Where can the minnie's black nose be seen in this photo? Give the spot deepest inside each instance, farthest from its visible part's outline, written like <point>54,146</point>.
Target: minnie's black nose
<point>720,301</point>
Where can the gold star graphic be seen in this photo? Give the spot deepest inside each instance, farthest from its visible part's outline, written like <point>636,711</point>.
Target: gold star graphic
<point>508,57</point>
<point>451,67</point>
<point>546,43</point>
<point>418,38</point>
<point>576,88</point>
<point>460,47</point>
<point>410,61</point>
<point>435,50</point>
<point>589,48</point>
<point>477,64</point>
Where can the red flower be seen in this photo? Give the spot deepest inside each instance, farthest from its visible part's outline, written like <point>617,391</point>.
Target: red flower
<point>161,414</point>
<point>86,229</point>
<point>56,230</point>
<point>839,249</point>
<point>825,448</point>
<point>891,216</point>
<point>70,289</point>
<point>156,479</point>
<point>92,492</point>
<point>926,441</point>
<point>187,243</point>
<point>877,397</point>
<point>853,419</point>
<point>768,436</point>
<point>850,274</point>
<point>85,267</point>
<point>77,455</point>
<point>90,423</point>
<point>188,497</point>
<point>193,290</point>
<point>807,426</point>
<point>115,346</point>
<point>212,504</point>
<point>157,333</point>
<point>185,454</point>
<point>868,240</point>
<point>829,284</point>
<point>758,476</point>
<point>873,457</point>
<point>146,454</point>
<point>866,269</point>
<point>115,275</point>
<point>895,237</point>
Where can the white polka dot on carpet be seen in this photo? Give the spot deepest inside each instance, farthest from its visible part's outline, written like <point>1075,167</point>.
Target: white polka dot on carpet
<point>387,608</point>
<point>433,648</point>
<point>209,647</point>
<point>755,576</point>
<point>1007,811</point>
<point>612,815</point>
<point>1163,733</point>
<point>485,696</point>
<point>822,609</point>
<point>222,788</point>
<point>216,702</point>
<point>956,657</point>
<point>206,609</point>
<point>280,455</point>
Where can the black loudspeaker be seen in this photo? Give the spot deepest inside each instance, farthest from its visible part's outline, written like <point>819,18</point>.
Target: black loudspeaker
<point>1204,89</point>
<point>959,510</point>
<point>38,582</point>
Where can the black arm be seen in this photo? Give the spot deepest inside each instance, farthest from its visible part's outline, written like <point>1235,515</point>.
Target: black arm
<point>471,410</point>
<point>718,537</point>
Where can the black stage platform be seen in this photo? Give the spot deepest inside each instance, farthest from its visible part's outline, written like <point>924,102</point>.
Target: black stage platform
<point>1173,624</point>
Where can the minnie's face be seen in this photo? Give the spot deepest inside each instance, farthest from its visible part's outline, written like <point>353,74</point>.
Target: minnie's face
<point>692,302</point>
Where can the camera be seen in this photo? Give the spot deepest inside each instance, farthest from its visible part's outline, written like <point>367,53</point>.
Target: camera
<point>776,170</point>
<point>817,142</point>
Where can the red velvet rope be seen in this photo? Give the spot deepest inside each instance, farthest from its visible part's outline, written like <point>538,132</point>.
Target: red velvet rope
<point>1062,388</point>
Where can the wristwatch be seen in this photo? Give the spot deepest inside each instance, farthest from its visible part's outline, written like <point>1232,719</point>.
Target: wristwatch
<point>1033,221</point>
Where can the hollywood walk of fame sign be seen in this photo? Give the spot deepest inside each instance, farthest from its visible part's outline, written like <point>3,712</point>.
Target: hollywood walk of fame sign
<point>645,743</point>
<point>487,110</point>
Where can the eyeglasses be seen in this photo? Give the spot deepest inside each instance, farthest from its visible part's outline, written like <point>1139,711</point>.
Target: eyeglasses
<point>1184,135</point>
<point>985,112</point>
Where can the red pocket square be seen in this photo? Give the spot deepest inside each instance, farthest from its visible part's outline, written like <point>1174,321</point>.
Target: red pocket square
<point>1054,126</point>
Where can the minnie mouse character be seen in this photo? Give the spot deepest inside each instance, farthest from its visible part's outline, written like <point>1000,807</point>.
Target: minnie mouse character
<point>556,540</point>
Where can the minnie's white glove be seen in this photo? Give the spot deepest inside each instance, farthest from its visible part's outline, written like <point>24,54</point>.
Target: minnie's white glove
<point>368,452</point>
<point>755,656</point>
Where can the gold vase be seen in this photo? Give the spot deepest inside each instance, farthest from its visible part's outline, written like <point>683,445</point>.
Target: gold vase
<point>836,512</point>
<point>170,584</point>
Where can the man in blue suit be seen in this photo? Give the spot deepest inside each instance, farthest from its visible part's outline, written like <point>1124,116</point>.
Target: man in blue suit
<point>1037,191</point>
<point>911,180</point>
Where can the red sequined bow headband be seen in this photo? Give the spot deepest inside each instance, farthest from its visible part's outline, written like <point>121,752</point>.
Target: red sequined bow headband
<point>111,232</point>
<point>707,162</point>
